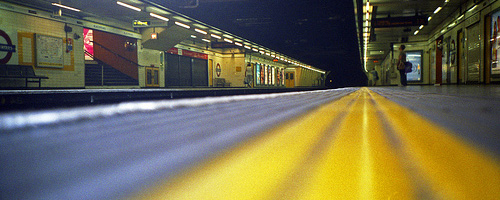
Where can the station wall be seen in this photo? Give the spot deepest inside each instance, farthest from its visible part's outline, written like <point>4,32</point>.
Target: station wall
<point>464,41</point>
<point>22,30</point>
<point>22,25</point>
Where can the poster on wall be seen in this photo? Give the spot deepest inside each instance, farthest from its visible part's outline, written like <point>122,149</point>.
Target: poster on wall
<point>49,51</point>
<point>266,76</point>
<point>415,57</point>
<point>495,44</point>
<point>88,45</point>
<point>257,74</point>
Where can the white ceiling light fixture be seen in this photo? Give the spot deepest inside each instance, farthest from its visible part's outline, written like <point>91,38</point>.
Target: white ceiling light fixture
<point>421,27</point>
<point>416,32</point>
<point>228,40</point>
<point>238,44</point>
<point>429,18</point>
<point>216,36</point>
<point>182,25</point>
<point>248,47</point>
<point>206,40</point>
<point>66,7</point>
<point>437,9</point>
<point>128,6</point>
<point>200,31</point>
<point>158,17</point>
<point>193,36</point>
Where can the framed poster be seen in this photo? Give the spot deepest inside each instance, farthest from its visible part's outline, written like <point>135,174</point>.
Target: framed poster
<point>415,57</point>
<point>49,51</point>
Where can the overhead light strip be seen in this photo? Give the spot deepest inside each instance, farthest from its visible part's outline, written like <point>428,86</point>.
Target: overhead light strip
<point>437,9</point>
<point>182,25</point>
<point>67,7</point>
<point>128,6</point>
<point>206,40</point>
<point>200,31</point>
<point>228,40</point>
<point>216,36</point>
<point>158,17</point>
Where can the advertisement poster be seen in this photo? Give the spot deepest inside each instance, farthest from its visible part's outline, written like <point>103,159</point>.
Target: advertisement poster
<point>415,57</point>
<point>495,44</point>
<point>257,74</point>
<point>88,46</point>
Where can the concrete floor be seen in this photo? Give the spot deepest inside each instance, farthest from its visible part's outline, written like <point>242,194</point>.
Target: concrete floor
<point>415,142</point>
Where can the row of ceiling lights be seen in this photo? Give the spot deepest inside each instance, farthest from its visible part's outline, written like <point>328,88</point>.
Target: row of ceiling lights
<point>430,17</point>
<point>212,35</point>
<point>451,25</point>
<point>367,10</point>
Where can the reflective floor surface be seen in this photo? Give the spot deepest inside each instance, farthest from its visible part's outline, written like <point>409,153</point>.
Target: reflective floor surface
<point>355,143</point>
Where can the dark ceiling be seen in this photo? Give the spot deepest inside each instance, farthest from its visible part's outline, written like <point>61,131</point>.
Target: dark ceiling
<point>319,33</point>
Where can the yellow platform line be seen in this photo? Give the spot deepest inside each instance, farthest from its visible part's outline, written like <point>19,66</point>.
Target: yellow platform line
<point>454,168</point>
<point>342,151</point>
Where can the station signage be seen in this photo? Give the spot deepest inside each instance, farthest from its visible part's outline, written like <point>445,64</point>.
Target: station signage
<point>149,23</point>
<point>9,48</point>
<point>187,53</point>
<point>399,21</point>
<point>221,45</point>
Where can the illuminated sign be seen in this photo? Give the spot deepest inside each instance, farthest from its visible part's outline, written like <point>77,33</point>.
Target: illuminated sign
<point>399,21</point>
<point>138,23</point>
<point>149,23</point>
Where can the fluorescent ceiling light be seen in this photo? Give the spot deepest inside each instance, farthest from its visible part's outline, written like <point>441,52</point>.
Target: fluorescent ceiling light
<point>429,18</point>
<point>239,44</point>
<point>248,47</point>
<point>193,36</point>
<point>158,17</point>
<point>461,16</point>
<point>256,50</point>
<point>228,40</point>
<point>206,40</point>
<point>437,9</point>
<point>200,31</point>
<point>475,6</point>
<point>182,25</point>
<point>67,7</point>
<point>216,36</point>
<point>421,27</point>
<point>416,32</point>
<point>261,52</point>
<point>128,6</point>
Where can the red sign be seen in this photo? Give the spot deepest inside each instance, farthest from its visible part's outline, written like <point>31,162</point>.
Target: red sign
<point>218,69</point>
<point>187,53</point>
<point>9,48</point>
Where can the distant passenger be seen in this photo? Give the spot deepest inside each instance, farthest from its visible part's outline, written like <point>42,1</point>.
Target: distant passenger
<point>373,77</point>
<point>401,65</point>
<point>249,76</point>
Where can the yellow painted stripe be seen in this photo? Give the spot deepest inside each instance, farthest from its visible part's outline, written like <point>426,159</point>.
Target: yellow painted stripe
<point>255,169</point>
<point>360,164</point>
<point>315,156</point>
<point>454,168</point>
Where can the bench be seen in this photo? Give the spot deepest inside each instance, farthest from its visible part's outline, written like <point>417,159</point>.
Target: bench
<point>221,82</point>
<point>21,71</point>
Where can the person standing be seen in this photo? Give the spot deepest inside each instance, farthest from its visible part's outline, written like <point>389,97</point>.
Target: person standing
<point>401,65</point>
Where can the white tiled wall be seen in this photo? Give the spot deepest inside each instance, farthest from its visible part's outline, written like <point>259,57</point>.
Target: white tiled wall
<point>13,22</point>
